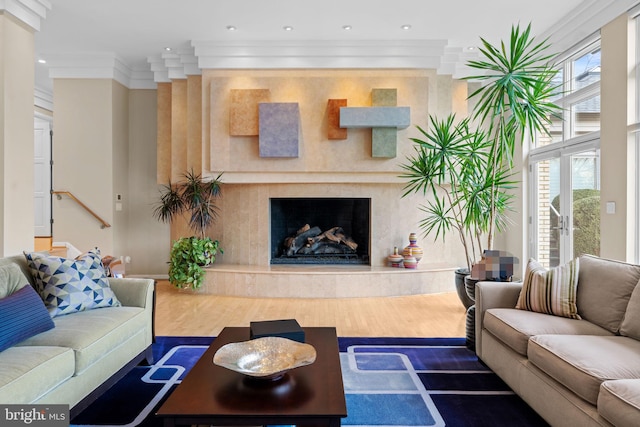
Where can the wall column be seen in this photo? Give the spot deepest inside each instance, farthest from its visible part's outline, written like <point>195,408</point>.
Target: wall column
<point>16,135</point>
<point>617,165</point>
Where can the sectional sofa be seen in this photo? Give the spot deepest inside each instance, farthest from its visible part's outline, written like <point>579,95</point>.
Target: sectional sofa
<point>76,356</point>
<point>573,371</point>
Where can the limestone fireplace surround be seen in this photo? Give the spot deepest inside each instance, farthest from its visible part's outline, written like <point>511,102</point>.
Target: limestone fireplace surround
<point>324,168</point>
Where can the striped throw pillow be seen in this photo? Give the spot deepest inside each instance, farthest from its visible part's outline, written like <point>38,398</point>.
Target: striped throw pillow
<point>23,315</point>
<point>550,291</point>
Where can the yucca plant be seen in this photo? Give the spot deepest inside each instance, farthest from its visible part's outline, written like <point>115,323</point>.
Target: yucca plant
<point>451,163</point>
<point>514,100</point>
<point>469,171</point>
<point>196,198</point>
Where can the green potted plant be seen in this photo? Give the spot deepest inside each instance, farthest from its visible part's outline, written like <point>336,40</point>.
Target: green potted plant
<point>467,170</point>
<point>451,162</point>
<point>196,198</point>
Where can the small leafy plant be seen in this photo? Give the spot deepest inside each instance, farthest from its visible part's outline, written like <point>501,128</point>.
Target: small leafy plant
<point>189,256</point>
<point>194,198</point>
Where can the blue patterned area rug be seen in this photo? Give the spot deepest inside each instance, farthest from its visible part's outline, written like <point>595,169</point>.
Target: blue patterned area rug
<point>388,382</point>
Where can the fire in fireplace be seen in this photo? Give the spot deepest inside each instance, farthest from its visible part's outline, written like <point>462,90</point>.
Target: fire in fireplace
<point>320,230</point>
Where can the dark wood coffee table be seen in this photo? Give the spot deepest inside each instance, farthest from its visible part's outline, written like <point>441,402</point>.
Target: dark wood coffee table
<point>312,395</point>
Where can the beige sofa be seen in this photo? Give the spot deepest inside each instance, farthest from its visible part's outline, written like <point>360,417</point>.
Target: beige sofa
<point>84,354</point>
<point>572,372</point>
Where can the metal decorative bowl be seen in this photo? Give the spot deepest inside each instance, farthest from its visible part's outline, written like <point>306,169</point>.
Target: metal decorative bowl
<point>265,358</point>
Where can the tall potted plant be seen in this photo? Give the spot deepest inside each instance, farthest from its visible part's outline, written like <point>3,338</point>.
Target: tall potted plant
<point>468,170</point>
<point>195,197</point>
<point>514,100</point>
<point>451,163</point>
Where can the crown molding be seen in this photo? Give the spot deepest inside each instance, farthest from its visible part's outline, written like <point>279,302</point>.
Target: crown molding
<point>98,66</point>
<point>170,66</point>
<point>584,21</point>
<point>43,99</point>
<point>31,12</point>
<point>280,54</point>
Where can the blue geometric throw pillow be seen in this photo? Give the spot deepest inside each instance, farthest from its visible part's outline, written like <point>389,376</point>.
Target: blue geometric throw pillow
<point>71,285</point>
<point>23,315</point>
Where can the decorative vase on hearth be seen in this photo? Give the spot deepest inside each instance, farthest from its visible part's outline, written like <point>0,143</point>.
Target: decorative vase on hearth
<point>413,248</point>
<point>395,259</point>
<point>409,260</point>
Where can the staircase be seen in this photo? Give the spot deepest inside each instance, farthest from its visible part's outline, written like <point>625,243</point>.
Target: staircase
<point>61,249</point>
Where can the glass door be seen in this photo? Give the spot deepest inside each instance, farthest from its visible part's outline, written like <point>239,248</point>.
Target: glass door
<point>566,211</point>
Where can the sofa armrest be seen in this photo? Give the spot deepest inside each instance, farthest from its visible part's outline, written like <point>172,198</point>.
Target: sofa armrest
<point>134,292</point>
<point>493,295</point>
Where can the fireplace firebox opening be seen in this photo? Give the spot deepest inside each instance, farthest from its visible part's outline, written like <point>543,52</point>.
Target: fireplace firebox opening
<point>320,230</point>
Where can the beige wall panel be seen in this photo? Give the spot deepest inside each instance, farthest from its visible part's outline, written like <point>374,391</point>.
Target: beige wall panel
<point>148,241</point>
<point>243,111</point>
<point>178,129</point>
<point>616,173</point>
<point>16,136</point>
<point>163,127</point>
<point>83,153</point>
<point>243,228</point>
<point>120,208</point>
<point>311,89</point>
<point>194,123</point>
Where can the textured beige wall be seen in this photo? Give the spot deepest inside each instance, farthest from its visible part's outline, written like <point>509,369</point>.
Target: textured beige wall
<point>120,166</point>
<point>163,131</point>
<point>179,125</point>
<point>325,168</point>
<point>83,155</point>
<point>194,123</point>
<point>311,89</point>
<point>148,240</point>
<point>618,173</point>
<point>16,136</point>
<point>243,228</point>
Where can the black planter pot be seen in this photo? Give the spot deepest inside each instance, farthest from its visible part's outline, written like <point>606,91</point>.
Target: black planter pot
<point>460,274</point>
<point>470,287</point>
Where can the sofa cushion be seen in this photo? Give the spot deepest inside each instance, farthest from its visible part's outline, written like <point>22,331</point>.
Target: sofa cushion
<point>27,373</point>
<point>619,402</point>
<point>631,323</point>
<point>550,291</point>
<point>514,327</point>
<point>71,285</point>
<point>11,279</point>
<point>583,362</point>
<point>92,334</point>
<point>23,315</point>
<point>604,289</point>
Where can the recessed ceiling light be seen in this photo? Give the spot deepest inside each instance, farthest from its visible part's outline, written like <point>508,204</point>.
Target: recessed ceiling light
<point>231,27</point>
<point>287,28</point>
<point>168,49</point>
<point>346,27</point>
<point>42,61</point>
<point>406,27</point>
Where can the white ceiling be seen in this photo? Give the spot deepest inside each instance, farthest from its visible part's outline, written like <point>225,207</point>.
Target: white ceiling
<point>133,31</point>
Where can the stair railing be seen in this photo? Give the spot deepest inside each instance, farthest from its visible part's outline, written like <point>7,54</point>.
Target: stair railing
<point>59,194</point>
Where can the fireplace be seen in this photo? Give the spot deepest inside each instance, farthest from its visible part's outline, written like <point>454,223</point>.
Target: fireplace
<point>320,230</point>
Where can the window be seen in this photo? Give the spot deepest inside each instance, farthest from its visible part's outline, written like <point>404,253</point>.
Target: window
<point>565,165</point>
<point>578,82</point>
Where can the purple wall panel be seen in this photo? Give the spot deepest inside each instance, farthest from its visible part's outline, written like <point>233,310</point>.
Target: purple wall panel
<point>279,129</point>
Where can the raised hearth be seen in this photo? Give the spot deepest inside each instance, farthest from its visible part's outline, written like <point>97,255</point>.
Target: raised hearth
<point>320,281</point>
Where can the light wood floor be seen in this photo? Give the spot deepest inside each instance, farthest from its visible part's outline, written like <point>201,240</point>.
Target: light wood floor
<point>193,314</point>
